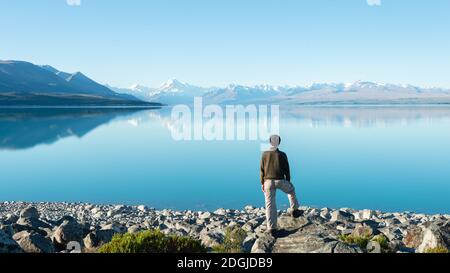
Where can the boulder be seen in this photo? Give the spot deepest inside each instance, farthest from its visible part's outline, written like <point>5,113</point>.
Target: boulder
<point>342,216</point>
<point>18,228</point>
<point>435,236</point>
<point>7,229</point>
<point>341,247</point>
<point>32,222</point>
<point>96,210</point>
<point>221,212</point>
<point>134,229</point>
<point>413,237</point>
<point>68,231</point>
<point>251,225</point>
<point>290,223</point>
<point>325,213</point>
<point>391,222</point>
<point>211,238</point>
<point>142,208</point>
<point>364,231</point>
<point>392,233</point>
<point>366,214</point>
<point>64,218</point>
<point>10,219</point>
<point>30,212</point>
<point>8,245</point>
<point>316,219</point>
<point>205,215</point>
<point>248,243</point>
<point>249,208</point>
<point>300,242</point>
<point>32,242</point>
<point>97,238</point>
<point>263,244</point>
<point>118,228</point>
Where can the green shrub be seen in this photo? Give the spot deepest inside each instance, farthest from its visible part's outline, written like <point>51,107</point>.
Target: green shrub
<point>234,238</point>
<point>439,249</point>
<point>382,241</point>
<point>152,241</point>
<point>361,241</point>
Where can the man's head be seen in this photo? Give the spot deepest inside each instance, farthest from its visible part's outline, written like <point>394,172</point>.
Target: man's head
<point>275,141</point>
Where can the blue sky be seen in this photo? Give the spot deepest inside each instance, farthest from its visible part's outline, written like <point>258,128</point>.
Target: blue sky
<point>217,42</point>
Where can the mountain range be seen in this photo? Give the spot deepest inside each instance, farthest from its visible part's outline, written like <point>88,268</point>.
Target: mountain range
<point>361,92</point>
<point>26,84</point>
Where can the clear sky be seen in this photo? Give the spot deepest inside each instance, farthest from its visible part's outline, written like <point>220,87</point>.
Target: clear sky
<point>217,42</point>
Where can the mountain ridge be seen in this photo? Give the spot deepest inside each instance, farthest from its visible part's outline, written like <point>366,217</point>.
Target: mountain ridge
<point>359,92</point>
<point>26,84</point>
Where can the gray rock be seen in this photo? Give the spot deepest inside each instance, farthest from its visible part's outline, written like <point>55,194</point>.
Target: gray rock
<point>345,248</point>
<point>142,208</point>
<point>10,219</point>
<point>249,208</point>
<point>392,233</point>
<point>435,236</point>
<point>32,242</point>
<point>134,229</point>
<point>413,237</point>
<point>248,243</point>
<point>289,223</point>
<point>8,245</point>
<point>251,225</point>
<point>263,244</point>
<point>67,232</point>
<point>118,228</point>
<point>316,219</point>
<point>32,222</point>
<point>300,242</point>
<point>205,215</point>
<point>211,238</point>
<point>7,229</point>
<point>221,211</point>
<point>395,245</point>
<point>96,210</point>
<point>325,213</point>
<point>97,238</point>
<point>366,214</point>
<point>364,231</point>
<point>65,218</point>
<point>30,212</point>
<point>341,216</point>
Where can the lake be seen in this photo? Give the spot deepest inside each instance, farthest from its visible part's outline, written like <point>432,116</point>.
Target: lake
<point>377,157</point>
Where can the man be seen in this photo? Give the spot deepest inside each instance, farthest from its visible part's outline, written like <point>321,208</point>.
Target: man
<point>275,174</point>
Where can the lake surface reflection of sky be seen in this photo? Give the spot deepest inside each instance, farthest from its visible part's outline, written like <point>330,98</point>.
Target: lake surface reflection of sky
<point>388,158</point>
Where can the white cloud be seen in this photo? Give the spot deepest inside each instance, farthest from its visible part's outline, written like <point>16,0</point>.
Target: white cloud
<point>73,2</point>
<point>374,2</point>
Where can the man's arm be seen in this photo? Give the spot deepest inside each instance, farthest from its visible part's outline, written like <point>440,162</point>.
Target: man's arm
<point>287,170</point>
<point>262,170</point>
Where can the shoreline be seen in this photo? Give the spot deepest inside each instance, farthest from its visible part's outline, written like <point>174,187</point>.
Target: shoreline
<point>318,230</point>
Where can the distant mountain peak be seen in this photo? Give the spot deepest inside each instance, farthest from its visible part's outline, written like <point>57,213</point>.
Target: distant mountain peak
<point>50,68</point>
<point>46,84</point>
<point>173,85</point>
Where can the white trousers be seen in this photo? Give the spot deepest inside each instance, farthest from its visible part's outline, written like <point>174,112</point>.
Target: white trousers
<point>271,187</point>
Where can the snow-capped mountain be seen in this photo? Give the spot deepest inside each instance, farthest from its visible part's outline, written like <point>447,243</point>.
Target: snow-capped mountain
<point>139,91</point>
<point>360,92</point>
<point>171,92</point>
<point>239,93</point>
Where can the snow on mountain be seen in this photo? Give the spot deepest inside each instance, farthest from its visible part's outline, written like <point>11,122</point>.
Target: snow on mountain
<point>171,92</point>
<point>360,92</point>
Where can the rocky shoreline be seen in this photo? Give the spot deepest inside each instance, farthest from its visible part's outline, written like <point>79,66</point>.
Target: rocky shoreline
<point>50,227</point>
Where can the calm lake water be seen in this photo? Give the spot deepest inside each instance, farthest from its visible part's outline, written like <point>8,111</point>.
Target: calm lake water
<point>388,158</point>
